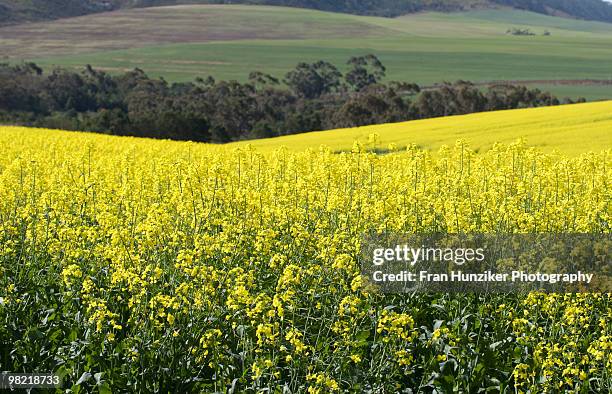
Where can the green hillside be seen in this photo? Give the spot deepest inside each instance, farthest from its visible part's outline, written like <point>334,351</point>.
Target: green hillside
<point>182,42</point>
<point>16,11</point>
<point>583,9</point>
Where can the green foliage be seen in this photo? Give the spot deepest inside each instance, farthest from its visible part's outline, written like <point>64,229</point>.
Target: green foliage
<point>520,32</point>
<point>597,10</point>
<point>17,11</point>
<point>313,80</point>
<point>317,96</point>
<point>139,266</point>
<point>366,71</point>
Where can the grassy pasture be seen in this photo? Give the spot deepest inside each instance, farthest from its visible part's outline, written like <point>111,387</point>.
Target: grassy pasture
<point>144,27</point>
<point>182,42</point>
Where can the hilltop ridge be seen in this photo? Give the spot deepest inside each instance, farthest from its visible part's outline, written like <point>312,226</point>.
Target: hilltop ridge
<point>19,11</point>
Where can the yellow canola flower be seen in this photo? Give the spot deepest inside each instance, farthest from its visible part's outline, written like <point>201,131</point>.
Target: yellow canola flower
<point>229,252</point>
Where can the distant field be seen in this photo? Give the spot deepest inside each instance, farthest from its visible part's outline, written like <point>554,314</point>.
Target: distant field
<point>142,27</point>
<point>570,129</point>
<point>227,42</point>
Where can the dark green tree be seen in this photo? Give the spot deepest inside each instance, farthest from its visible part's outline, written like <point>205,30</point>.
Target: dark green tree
<point>365,71</point>
<point>313,80</point>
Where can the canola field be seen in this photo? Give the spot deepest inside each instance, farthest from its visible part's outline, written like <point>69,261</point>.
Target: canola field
<point>133,265</point>
<point>569,129</point>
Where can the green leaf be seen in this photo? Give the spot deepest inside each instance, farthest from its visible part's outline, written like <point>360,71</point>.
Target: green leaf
<point>104,388</point>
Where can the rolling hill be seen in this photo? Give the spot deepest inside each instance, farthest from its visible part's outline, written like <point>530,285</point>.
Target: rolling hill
<point>17,11</point>
<point>183,42</point>
<point>569,129</point>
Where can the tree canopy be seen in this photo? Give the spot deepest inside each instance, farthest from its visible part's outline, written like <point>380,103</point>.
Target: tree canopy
<point>314,96</point>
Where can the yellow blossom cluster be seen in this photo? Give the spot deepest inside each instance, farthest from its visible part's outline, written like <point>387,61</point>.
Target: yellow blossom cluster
<point>182,267</point>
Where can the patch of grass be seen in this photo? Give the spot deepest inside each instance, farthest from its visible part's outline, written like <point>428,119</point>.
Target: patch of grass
<point>143,27</point>
<point>591,92</point>
<point>456,59</point>
<point>227,42</point>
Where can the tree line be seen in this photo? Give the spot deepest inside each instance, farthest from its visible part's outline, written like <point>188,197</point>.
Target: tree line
<point>312,96</point>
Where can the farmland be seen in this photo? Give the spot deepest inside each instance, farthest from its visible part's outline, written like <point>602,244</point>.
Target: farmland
<point>143,265</point>
<point>569,129</point>
<point>149,265</point>
<point>182,42</point>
